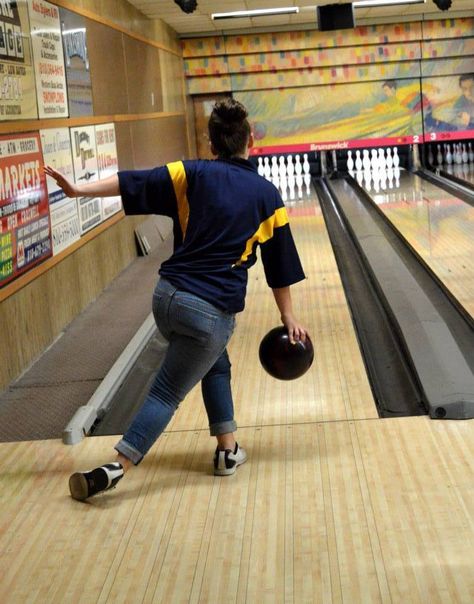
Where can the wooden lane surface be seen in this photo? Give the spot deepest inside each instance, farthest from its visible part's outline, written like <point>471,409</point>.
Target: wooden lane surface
<point>439,227</point>
<point>336,387</point>
<point>348,511</point>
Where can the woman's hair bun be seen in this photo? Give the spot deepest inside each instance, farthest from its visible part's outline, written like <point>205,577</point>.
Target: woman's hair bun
<point>230,110</point>
<point>229,129</point>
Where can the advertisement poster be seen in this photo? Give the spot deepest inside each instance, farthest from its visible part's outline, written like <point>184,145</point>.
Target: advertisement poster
<point>25,233</point>
<point>84,158</point>
<point>79,87</point>
<point>336,116</point>
<point>17,79</point>
<point>65,228</point>
<point>48,59</point>
<point>108,165</point>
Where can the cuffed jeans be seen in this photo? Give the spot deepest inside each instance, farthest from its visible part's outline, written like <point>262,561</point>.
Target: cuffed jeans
<point>197,333</point>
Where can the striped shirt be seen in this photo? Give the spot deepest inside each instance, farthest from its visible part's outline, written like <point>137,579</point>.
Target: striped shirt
<point>222,211</point>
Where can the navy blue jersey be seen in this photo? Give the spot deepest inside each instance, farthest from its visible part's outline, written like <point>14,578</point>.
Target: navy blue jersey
<point>222,210</point>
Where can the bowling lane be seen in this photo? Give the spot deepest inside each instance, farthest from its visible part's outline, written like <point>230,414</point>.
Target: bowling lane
<point>438,225</point>
<point>336,387</point>
<point>462,171</point>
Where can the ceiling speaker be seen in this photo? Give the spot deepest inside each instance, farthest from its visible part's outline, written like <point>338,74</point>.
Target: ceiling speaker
<point>335,16</point>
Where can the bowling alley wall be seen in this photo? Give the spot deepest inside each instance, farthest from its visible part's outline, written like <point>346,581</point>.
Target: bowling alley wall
<point>370,86</point>
<point>89,94</point>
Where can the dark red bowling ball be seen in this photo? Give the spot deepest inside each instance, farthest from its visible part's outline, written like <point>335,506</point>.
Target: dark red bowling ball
<point>282,359</point>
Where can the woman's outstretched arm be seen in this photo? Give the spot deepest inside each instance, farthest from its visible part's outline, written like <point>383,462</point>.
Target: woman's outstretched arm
<point>109,187</point>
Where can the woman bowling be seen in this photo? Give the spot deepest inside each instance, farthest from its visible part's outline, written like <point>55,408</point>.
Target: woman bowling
<point>221,210</point>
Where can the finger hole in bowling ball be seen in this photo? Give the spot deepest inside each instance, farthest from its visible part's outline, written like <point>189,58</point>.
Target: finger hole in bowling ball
<point>282,359</point>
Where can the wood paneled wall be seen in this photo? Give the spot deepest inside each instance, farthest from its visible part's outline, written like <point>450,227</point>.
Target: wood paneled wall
<point>136,70</point>
<point>156,141</point>
<point>126,17</point>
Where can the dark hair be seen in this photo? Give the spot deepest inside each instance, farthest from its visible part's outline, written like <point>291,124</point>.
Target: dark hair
<point>465,77</point>
<point>390,84</point>
<point>229,129</point>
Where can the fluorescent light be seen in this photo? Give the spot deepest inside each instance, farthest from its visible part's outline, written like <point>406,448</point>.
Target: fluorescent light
<point>263,12</point>
<point>372,3</point>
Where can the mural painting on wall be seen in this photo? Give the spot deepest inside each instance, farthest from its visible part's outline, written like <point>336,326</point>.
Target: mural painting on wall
<point>48,59</point>
<point>79,87</point>
<point>449,112</point>
<point>338,116</point>
<point>25,231</point>
<point>107,161</point>
<point>17,80</point>
<point>65,229</point>
<point>84,157</point>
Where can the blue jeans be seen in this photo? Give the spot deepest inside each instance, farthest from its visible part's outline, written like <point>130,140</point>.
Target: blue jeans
<point>197,333</point>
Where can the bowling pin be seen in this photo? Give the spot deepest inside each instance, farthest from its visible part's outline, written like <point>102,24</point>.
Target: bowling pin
<point>396,159</point>
<point>439,157</point>
<point>465,156</point>
<point>267,171</point>
<point>470,153</point>
<point>283,179</point>
<point>430,156</point>
<point>350,161</point>
<point>260,169</point>
<point>365,160</point>
<point>382,162</point>
<point>298,166</point>
<point>334,159</point>
<point>282,167</point>
<point>290,169</point>
<point>305,163</point>
<point>457,154</point>
<point>275,172</point>
<point>374,162</point>
<point>448,157</point>
<point>358,161</point>
<point>389,159</point>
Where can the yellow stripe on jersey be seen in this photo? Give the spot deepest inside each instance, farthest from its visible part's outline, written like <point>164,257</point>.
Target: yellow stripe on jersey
<point>265,231</point>
<point>180,184</point>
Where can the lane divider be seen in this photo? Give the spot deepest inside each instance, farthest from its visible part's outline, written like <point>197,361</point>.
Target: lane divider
<point>86,416</point>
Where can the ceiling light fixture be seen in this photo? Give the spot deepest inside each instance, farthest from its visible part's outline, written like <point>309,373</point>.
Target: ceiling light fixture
<point>264,12</point>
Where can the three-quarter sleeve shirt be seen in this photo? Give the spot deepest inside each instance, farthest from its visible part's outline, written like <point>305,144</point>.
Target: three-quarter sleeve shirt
<point>222,211</point>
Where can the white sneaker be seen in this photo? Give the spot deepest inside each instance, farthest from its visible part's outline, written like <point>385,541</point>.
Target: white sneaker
<point>226,462</point>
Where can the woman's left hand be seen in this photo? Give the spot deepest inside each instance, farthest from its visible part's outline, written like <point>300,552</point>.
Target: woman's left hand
<point>296,331</point>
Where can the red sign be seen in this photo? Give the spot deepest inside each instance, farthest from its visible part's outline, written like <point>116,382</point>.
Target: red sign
<point>25,230</point>
<point>392,141</point>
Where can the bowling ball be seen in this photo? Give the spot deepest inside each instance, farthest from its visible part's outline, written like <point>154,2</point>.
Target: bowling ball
<point>282,359</point>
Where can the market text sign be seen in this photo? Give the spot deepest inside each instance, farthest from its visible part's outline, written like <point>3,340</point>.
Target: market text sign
<point>25,232</point>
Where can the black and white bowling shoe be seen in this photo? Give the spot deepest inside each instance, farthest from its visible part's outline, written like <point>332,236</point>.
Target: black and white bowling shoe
<point>226,462</point>
<point>86,484</point>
